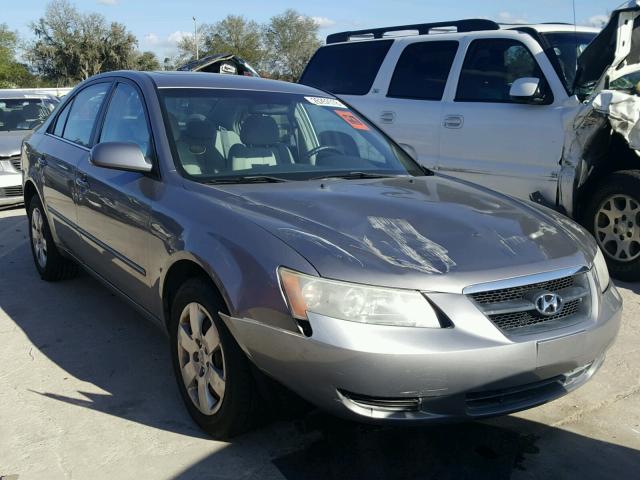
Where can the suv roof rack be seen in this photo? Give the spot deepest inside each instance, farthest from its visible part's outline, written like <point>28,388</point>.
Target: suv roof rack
<point>471,25</point>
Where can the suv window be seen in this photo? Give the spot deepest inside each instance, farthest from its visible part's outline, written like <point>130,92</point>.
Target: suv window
<point>84,111</point>
<point>491,66</point>
<point>422,70</point>
<point>348,68</point>
<point>125,120</point>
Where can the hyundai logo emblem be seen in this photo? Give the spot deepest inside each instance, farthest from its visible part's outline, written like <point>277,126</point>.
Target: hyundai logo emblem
<point>549,304</point>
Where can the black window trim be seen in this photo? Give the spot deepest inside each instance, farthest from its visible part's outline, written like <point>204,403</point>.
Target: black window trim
<point>155,170</point>
<point>70,101</point>
<point>408,45</point>
<point>544,82</point>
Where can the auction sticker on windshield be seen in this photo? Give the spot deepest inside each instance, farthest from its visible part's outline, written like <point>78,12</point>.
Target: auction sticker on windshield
<point>351,119</point>
<point>326,102</point>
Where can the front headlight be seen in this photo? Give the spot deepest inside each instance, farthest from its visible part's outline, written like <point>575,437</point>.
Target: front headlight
<point>602,272</point>
<point>354,302</point>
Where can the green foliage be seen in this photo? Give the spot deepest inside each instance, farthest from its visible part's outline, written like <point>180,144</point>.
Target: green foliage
<point>146,61</point>
<point>290,40</point>
<point>12,73</point>
<point>71,46</point>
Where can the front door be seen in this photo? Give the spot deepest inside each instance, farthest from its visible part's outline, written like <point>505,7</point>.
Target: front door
<point>489,139</point>
<point>113,206</point>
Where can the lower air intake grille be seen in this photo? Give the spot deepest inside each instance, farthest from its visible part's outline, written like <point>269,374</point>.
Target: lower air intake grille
<point>11,191</point>
<point>410,404</point>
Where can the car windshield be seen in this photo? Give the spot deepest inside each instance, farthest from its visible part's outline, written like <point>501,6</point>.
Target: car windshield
<point>238,135</point>
<point>24,113</point>
<point>568,46</point>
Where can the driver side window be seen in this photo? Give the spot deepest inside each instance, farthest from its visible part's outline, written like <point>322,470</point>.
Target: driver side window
<point>125,120</point>
<point>490,68</point>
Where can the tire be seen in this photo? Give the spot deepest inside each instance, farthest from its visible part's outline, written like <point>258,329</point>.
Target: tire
<point>223,410</point>
<point>612,215</point>
<point>51,265</point>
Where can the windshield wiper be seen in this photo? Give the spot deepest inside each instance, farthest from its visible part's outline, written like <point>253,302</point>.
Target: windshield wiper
<point>247,179</point>
<point>354,175</point>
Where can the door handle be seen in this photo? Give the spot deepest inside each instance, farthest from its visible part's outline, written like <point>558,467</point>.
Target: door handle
<point>387,117</point>
<point>453,121</point>
<point>42,160</point>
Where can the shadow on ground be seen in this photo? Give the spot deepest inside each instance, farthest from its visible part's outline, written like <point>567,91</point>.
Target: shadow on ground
<point>97,338</point>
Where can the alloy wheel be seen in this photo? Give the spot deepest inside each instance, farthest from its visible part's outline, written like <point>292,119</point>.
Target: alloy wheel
<point>37,237</point>
<point>617,227</point>
<point>201,358</point>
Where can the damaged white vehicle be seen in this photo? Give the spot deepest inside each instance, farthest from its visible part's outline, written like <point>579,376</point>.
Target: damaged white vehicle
<point>539,112</point>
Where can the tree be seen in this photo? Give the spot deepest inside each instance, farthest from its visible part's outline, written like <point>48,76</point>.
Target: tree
<point>12,73</point>
<point>233,35</point>
<point>146,61</point>
<point>71,46</point>
<point>290,41</point>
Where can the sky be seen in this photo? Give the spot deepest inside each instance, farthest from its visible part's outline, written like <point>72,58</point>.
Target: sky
<point>159,24</point>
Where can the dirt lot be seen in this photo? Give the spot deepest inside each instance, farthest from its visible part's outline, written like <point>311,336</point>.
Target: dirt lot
<point>86,391</point>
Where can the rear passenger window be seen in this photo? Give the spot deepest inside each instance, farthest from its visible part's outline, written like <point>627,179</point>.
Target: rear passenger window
<point>349,68</point>
<point>491,66</point>
<point>125,120</point>
<point>422,70</point>
<point>62,120</point>
<point>84,111</point>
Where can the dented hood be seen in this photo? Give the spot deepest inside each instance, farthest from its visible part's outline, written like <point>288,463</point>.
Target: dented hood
<point>401,232</point>
<point>615,47</point>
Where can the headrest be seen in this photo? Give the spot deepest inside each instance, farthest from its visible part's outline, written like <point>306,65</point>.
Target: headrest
<point>200,130</point>
<point>259,130</point>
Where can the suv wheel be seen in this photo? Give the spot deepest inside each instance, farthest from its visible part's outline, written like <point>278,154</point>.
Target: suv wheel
<point>213,374</point>
<point>51,265</point>
<point>613,216</point>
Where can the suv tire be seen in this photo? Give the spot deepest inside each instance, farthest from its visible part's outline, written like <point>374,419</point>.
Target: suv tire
<point>214,376</point>
<point>612,215</point>
<point>51,265</point>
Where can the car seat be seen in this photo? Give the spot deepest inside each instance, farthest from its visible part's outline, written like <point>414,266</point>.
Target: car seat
<point>260,144</point>
<point>197,148</point>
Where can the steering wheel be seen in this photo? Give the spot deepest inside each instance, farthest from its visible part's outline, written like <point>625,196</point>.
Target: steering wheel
<point>323,148</point>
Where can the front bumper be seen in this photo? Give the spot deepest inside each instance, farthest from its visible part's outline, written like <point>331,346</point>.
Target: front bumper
<point>396,374</point>
<point>10,189</point>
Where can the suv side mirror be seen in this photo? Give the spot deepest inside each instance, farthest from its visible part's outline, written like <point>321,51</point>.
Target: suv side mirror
<point>525,90</point>
<point>120,156</point>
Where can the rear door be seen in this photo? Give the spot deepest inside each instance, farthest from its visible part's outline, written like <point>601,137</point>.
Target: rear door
<point>64,146</point>
<point>488,138</point>
<point>114,206</point>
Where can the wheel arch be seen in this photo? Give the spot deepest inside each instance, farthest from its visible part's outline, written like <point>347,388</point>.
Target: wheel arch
<point>30,191</point>
<point>181,269</point>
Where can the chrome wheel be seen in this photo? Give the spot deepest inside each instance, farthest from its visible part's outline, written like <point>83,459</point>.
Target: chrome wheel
<point>617,228</point>
<point>201,358</point>
<point>37,238</point>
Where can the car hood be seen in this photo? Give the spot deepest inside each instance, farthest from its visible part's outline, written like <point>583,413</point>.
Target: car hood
<point>11,141</point>
<point>422,232</point>
<point>616,46</point>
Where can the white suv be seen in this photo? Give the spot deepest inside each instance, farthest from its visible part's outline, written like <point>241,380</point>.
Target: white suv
<point>510,107</point>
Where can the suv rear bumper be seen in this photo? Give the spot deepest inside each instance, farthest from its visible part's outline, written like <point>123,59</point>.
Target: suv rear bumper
<point>396,374</point>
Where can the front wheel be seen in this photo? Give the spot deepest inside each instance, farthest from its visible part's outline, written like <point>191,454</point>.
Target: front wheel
<point>213,374</point>
<point>613,216</point>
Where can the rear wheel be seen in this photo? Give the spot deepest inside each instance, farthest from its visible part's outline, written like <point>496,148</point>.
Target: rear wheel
<point>51,265</point>
<point>213,374</point>
<point>613,216</point>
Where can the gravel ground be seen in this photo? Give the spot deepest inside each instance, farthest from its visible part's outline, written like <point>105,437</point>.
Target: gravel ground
<point>86,391</point>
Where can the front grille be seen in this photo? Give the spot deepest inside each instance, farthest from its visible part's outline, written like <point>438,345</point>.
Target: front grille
<point>511,321</point>
<point>11,191</point>
<point>513,309</point>
<point>16,162</point>
<point>515,293</point>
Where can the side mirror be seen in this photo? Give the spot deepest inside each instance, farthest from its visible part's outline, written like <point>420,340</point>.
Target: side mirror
<point>525,90</point>
<point>120,156</point>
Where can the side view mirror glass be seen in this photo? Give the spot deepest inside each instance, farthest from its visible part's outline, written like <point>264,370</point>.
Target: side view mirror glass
<point>526,89</point>
<point>120,156</point>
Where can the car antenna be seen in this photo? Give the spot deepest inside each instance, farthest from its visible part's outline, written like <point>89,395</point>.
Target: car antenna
<point>575,32</point>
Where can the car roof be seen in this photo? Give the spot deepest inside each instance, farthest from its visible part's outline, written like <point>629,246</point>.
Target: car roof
<point>216,80</point>
<point>552,27</point>
<point>7,94</point>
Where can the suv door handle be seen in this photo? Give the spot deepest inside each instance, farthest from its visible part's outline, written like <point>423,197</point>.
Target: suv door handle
<point>42,160</point>
<point>453,121</point>
<point>82,181</point>
<point>387,117</point>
